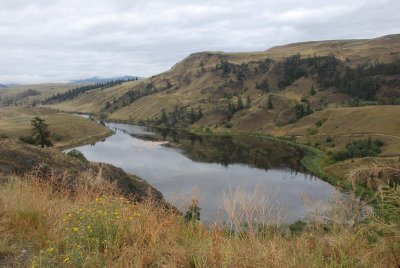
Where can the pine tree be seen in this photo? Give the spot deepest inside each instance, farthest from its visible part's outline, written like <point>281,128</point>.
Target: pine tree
<point>240,103</point>
<point>270,106</point>
<point>248,102</point>
<point>164,117</point>
<point>40,132</point>
<point>312,90</point>
<point>200,112</point>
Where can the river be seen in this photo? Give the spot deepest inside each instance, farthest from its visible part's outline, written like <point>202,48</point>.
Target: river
<point>182,165</point>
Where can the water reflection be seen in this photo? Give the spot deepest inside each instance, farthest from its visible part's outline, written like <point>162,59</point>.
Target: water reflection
<point>176,163</point>
<point>224,150</point>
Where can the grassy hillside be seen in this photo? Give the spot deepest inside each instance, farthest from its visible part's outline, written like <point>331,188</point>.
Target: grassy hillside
<point>53,166</point>
<point>344,124</point>
<point>284,74</point>
<point>66,129</point>
<point>30,95</point>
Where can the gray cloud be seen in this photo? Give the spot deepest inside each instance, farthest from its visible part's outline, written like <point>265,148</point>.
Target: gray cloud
<point>54,40</point>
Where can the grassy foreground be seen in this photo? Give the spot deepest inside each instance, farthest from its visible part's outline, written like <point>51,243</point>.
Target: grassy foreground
<point>44,224</point>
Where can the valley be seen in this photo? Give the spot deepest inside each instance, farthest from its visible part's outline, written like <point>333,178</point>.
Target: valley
<point>175,164</point>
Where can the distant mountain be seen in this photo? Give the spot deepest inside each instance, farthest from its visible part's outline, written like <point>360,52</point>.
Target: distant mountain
<point>3,86</point>
<point>96,79</point>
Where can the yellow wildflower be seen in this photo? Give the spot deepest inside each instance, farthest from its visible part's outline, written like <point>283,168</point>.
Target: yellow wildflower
<point>50,250</point>
<point>75,229</point>
<point>66,260</point>
<point>136,214</point>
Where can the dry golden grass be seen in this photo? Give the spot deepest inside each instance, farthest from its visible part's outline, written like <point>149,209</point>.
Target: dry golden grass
<point>344,168</point>
<point>44,226</point>
<point>346,124</point>
<point>94,101</point>
<point>46,90</point>
<point>15,122</point>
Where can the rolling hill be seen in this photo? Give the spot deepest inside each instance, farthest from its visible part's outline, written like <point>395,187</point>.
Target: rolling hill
<point>280,83</point>
<point>344,89</point>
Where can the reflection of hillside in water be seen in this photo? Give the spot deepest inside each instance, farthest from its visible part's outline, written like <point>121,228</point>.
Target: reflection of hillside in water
<point>227,150</point>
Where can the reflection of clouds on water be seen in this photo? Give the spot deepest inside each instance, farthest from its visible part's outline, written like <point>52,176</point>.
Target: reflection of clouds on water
<point>175,175</point>
<point>151,144</point>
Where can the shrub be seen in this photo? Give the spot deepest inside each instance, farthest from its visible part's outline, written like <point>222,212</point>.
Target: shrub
<point>77,154</point>
<point>312,131</point>
<point>329,139</point>
<point>320,122</point>
<point>360,148</point>
<point>57,137</point>
<point>27,139</point>
<point>297,227</point>
<point>3,136</point>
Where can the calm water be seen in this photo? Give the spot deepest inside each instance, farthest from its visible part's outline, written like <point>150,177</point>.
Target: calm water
<point>180,165</point>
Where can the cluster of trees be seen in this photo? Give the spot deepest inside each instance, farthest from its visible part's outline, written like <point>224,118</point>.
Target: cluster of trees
<point>264,65</point>
<point>240,70</point>
<point>28,93</point>
<point>293,69</point>
<point>131,96</point>
<point>232,108</point>
<point>179,117</point>
<point>303,109</point>
<point>224,66</point>
<point>72,93</point>
<point>359,148</point>
<point>362,82</point>
<point>263,85</point>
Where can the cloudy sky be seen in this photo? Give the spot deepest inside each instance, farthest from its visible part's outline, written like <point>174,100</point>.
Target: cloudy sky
<point>54,40</point>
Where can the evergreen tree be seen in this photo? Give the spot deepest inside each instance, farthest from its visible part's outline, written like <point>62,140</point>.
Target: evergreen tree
<point>164,117</point>
<point>192,116</point>
<point>169,85</point>
<point>270,106</point>
<point>312,90</point>
<point>200,112</point>
<point>240,103</point>
<point>40,132</point>
<point>248,102</point>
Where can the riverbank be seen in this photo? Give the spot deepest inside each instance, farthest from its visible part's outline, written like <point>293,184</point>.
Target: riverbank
<point>314,161</point>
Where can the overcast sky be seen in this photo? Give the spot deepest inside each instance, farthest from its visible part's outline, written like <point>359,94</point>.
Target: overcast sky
<point>54,40</point>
